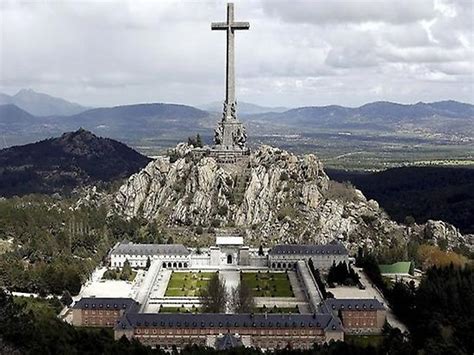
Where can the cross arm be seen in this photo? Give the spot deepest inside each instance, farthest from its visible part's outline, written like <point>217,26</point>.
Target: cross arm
<point>219,26</point>
<point>240,26</point>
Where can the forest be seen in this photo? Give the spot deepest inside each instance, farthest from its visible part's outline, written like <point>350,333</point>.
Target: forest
<point>439,313</point>
<point>51,246</point>
<point>421,193</point>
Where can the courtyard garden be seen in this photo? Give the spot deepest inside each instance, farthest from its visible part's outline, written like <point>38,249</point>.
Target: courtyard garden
<point>268,284</point>
<point>187,284</point>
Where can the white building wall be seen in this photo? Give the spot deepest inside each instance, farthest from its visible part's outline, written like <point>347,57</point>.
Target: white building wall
<point>139,261</point>
<point>320,261</point>
<point>200,260</point>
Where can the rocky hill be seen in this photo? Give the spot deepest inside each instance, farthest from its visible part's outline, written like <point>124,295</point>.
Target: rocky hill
<point>272,197</point>
<point>61,164</point>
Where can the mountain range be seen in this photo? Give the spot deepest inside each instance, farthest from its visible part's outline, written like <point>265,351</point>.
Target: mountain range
<point>449,120</point>
<point>379,115</point>
<point>244,108</point>
<point>40,104</point>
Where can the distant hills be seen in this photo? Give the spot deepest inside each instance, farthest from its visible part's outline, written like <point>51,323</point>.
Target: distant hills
<point>389,116</point>
<point>14,119</point>
<point>39,104</point>
<point>144,118</point>
<point>135,122</point>
<point>146,124</point>
<point>64,163</point>
<point>244,108</point>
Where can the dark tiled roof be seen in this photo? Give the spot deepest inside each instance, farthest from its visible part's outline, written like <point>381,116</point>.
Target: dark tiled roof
<point>228,341</point>
<point>354,304</point>
<point>127,304</point>
<point>331,249</point>
<point>221,320</point>
<point>150,249</point>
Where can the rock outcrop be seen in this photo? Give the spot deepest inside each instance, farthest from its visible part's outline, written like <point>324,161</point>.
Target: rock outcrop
<point>273,196</point>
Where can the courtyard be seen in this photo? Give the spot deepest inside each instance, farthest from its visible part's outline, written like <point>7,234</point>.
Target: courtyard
<point>187,284</point>
<point>268,284</point>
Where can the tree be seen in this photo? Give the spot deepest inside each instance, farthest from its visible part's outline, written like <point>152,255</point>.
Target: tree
<point>195,142</point>
<point>126,271</point>
<point>214,296</point>
<point>198,141</point>
<point>242,299</point>
<point>66,298</point>
<point>260,250</point>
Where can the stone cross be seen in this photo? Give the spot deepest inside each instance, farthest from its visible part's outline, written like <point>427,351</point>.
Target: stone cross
<point>230,26</point>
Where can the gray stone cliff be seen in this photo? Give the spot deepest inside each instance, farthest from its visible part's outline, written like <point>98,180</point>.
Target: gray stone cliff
<point>274,197</point>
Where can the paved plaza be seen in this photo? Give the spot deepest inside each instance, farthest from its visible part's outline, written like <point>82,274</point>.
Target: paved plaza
<point>370,292</point>
<point>97,287</point>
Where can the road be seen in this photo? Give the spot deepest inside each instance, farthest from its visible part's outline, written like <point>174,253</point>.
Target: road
<point>147,285</point>
<point>371,289</point>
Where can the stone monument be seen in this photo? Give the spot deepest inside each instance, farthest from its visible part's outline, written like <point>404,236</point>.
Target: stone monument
<point>230,138</point>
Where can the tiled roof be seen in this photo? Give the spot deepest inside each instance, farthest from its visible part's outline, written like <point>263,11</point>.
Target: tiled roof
<point>220,320</point>
<point>150,249</point>
<point>330,249</point>
<point>354,304</point>
<point>127,304</point>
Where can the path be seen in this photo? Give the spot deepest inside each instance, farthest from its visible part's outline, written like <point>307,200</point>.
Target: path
<point>300,297</point>
<point>232,280</point>
<point>147,285</point>
<point>375,292</point>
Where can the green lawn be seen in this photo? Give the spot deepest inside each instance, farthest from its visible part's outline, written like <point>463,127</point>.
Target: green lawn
<point>272,284</point>
<point>179,310</point>
<point>187,284</point>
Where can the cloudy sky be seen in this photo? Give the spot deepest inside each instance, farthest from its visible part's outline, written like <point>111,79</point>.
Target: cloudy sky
<point>104,53</point>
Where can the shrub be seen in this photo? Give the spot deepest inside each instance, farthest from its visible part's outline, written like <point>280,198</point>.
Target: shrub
<point>341,191</point>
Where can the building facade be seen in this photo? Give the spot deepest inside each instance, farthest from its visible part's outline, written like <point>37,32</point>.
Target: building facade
<point>229,251</point>
<point>285,257</point>
<point>172,256</point>
<point>101,312</point>
<point>270,331</point>
<point>359,316</point>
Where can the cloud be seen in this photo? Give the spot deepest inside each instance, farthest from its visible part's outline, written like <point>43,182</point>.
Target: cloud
<point>296,52</point>
<point>340,11</point>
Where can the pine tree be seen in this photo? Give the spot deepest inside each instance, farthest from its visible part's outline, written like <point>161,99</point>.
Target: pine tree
<point>198,141</point>
<point>214,296</point>
<point>126,271</point>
